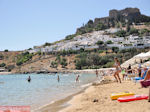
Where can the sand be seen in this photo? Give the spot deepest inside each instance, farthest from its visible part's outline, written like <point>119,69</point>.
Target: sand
<point>84,102</point>
<point>5,73</point>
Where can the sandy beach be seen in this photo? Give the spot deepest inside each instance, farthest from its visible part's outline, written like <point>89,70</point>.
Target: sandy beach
<point>84,102</point>
<point>5,73</point>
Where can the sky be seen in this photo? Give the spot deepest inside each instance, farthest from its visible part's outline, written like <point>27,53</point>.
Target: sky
<point>28,23</point>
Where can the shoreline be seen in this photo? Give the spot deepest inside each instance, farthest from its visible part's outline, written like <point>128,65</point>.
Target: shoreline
<point>65,71</point>
<point>58,105</point>
<point>5,73</point>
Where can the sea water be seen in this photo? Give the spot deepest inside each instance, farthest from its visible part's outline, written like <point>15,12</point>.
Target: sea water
<point>43,89</point>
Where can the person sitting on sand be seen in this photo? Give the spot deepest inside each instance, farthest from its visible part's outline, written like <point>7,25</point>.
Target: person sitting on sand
<point>118,70</point>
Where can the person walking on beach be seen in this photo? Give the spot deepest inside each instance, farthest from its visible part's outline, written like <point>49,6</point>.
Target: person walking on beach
<point>118,70</point>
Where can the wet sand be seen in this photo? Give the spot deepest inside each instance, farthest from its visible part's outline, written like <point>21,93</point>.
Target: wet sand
<point>58,105</point>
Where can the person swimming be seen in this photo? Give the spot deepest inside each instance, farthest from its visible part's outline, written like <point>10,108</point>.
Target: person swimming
<point>29,79</point>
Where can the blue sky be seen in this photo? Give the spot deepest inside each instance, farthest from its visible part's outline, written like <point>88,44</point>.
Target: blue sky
<point>27,23</point>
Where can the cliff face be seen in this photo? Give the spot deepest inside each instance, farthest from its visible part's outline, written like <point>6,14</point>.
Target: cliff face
<point>126,13</point>
<point>129,15</point>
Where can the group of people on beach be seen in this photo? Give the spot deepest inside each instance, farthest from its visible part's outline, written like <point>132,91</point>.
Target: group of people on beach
<point>133,72</point>
<point>128,72</point>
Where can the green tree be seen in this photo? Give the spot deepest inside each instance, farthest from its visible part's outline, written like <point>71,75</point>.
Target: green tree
<point>63,62</point>
<point>121,33</point>
<point>100,26</point>
<point>6,50</point>
<point>115,49</point>
<point>54,64</point>
<point>70,37</point>
<point>109,42</point>
<point>133,31</point>
<point>47,44</point>
<point>99,43</point>
<point>58,58</point>
<point>2,65</point>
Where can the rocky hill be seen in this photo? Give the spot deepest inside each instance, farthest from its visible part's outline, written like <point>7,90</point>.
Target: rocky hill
<point>123,34</point>
<point>125,16</point>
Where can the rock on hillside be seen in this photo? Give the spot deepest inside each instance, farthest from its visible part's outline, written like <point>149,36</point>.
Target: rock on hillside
<point>128,15</point>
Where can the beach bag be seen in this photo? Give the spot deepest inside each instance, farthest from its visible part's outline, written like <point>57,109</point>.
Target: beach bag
<point>145,83</point>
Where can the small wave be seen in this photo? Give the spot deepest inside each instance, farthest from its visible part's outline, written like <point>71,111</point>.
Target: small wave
<point>86,85</point>
<point>35,110</point>
<point>65,75</point>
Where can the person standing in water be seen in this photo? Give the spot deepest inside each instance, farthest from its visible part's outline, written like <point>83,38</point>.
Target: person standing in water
<point>77,78</point>
<point>58,79</point>
<point>29,79</point>
<point>96,73</point>
<point>118,70</point>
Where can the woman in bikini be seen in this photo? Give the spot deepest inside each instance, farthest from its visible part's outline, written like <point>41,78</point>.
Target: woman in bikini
<point>118,70</point>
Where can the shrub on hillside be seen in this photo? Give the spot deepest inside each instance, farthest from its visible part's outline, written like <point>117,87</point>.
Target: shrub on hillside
<point>54,64</point>
<point>1,57</point>
<point>133,31</point>
<point>109,42</point>
<point>109,64</point>
<point>47,44</point>
<point>70,37</point>
<point>100,26</point>
<point>6,50</point>
<point>115,49</point>
<point>99,42</point>
<point>121,33</point>
<point>63,62</point>
<point>24,57</point>
<point>2,65</point>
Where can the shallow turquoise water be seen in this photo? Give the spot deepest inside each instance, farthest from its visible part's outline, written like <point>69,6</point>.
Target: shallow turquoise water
<point>43,88</point>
